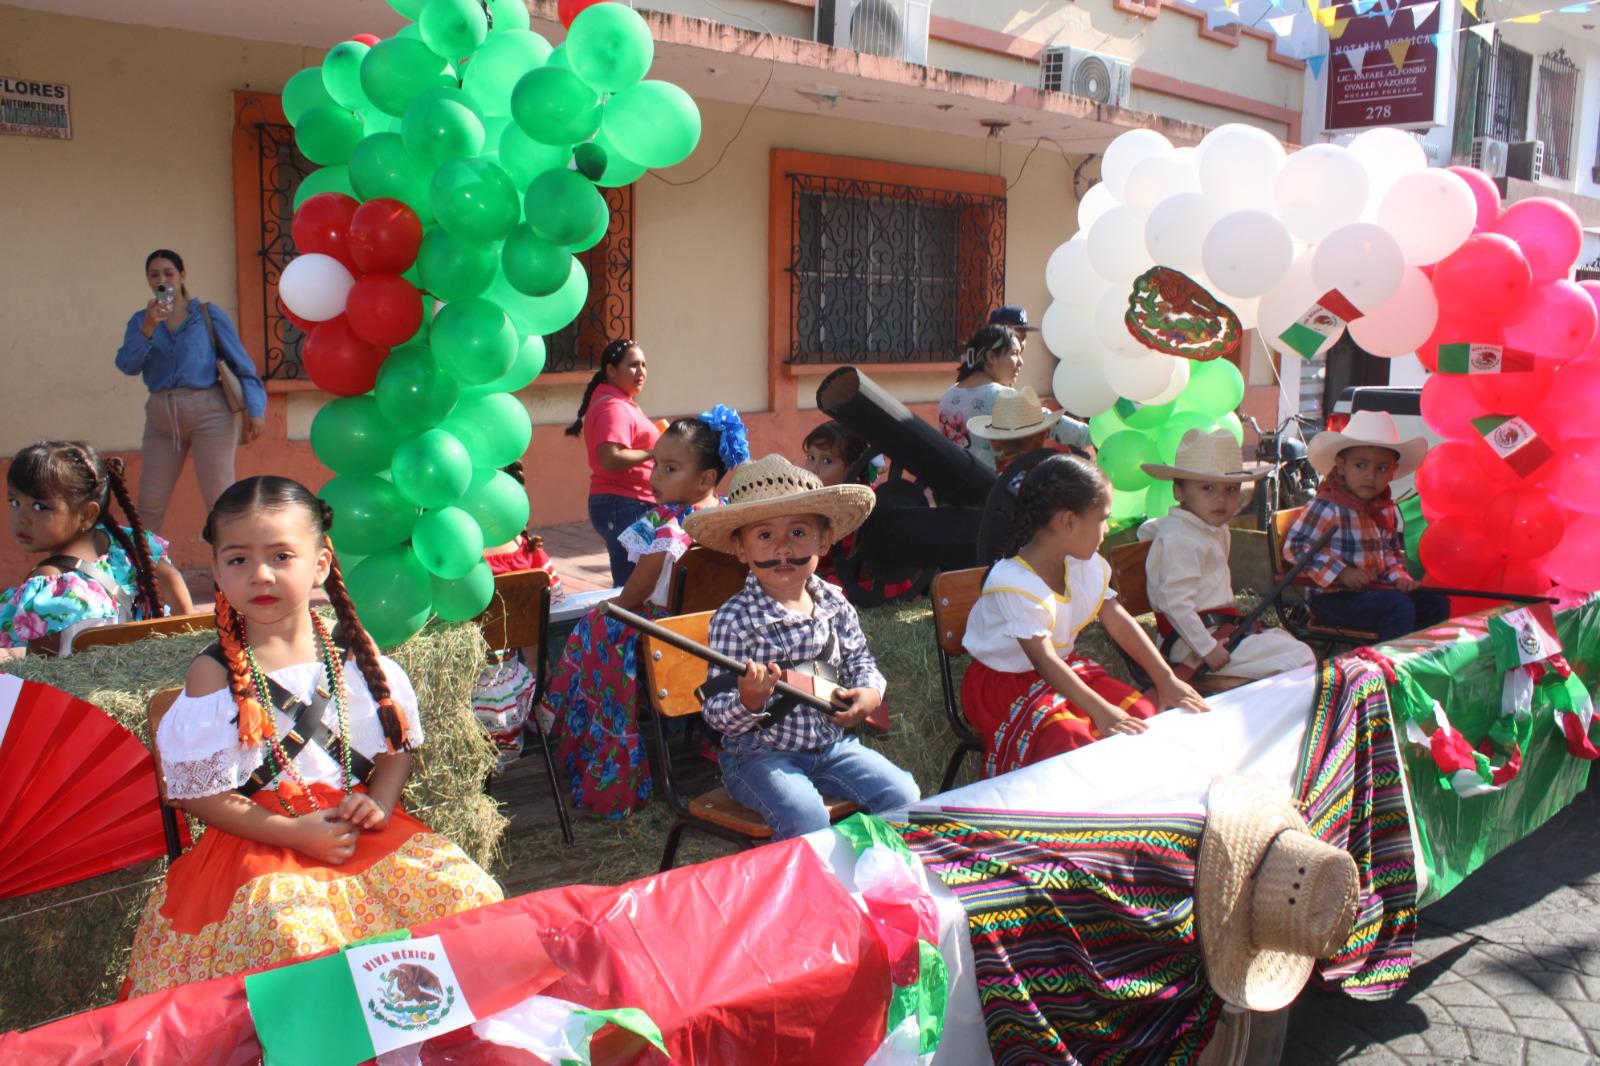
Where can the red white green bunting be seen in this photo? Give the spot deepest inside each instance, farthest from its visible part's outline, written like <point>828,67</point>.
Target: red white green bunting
<point>560,1032</point>
<point>1469,771</point>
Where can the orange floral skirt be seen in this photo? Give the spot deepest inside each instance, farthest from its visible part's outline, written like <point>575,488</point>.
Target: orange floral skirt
<point>231,905</point>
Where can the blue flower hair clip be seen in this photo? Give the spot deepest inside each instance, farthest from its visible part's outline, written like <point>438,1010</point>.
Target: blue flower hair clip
<point>735,446</point>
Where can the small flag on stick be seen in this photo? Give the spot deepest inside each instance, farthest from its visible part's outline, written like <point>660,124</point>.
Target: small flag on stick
<point>1523,635</point>
<point>1513,440</point>
<point>1321,325</point>
<point>1483,359</point>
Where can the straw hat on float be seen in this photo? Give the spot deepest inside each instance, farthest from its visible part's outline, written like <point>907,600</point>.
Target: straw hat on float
<point>1272,898</point>
<point>1203,456</point>
<point>773,487</point>
<point>1368,429</point>
<point>1017,413</point>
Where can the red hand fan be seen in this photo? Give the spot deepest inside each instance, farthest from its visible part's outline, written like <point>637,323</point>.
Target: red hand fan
<point>78,794</point>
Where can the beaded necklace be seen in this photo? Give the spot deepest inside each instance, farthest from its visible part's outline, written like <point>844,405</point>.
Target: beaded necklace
<point>282,764</point>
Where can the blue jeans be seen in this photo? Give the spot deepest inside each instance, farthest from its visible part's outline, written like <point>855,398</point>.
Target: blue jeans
<point>610,515</point>
<point>786,787</point>
<point>1390,612</point>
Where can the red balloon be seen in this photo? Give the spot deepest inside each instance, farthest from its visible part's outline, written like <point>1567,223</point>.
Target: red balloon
<point>323,225</point>
<point>1574,398</point>
<point>340,362</point>
<point>1556,322</point>
<point>1456,477</point>
<point>1548,232</point>
<point>1455,551</point>
<point>1487,278</point>
<point>384,237</point>
<point>384,309</point>
<point>1576,561</point>
<point>1578,483</point>
<point>1484,191</point>
<point>1592,290</point>
<point>1448,407</point>
<point>1511,392</point>
<point>371,40</point>
<point>1523,523</point>
<point>567,10</point>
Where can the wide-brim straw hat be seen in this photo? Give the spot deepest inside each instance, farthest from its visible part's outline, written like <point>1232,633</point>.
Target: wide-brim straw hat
<point>1271,898</point>
<point>1371,429</point>
<point>772,487</point>
<point>1017,413</point>
<point>1203,456</point>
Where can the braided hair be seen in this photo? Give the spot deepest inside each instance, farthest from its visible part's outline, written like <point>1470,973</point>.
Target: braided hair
<point>613,355</point>
<point>1059,483</point>
<point>73,471</point>
<point>276,493</point>
<point>989,340</point>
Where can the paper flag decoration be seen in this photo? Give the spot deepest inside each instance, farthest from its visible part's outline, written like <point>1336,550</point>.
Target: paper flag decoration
<point>1523,635</point>
<point>1336,30</point>
<point>1283,25</point>
<point>1420,13</point>
<point>1513,440</point>
<point>1358,59</point>
<point>1575,9</point>
<point>1397,52</point>
<point>1325,16</point>
<point>1315,63</point>
<point>1537,16</point>
<point>1322,325</point>
<point>1471,6</point>
<point>1467,771</point>
<point>1483,359</point>
<point>1484,30</point>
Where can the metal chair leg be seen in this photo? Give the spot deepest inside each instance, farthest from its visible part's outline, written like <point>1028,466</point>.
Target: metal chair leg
<point>555,781</point>
<point>670,855</point>
<point>953,767</point>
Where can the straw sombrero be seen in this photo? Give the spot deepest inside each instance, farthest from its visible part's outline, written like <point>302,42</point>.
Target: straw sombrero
<point>1373,429</point>
<point>1203,456</point>
<point>1272,898</point>
<point>1017,413</point>
<point>771,487</point>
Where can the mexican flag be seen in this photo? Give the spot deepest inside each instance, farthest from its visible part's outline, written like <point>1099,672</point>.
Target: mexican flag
<point>1483,359</point>
<point>1523,635</point>
<point>1515,441</point>
<point>1322,325</point>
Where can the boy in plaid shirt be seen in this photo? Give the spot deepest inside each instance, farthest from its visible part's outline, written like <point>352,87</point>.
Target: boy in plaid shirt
<point>1362,572</point>
<point>778,758</point>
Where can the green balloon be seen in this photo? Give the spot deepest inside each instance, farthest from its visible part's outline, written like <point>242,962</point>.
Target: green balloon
<point>563,207</point>
<point>453,28</point>
<point>533,265</point>
<point>528,365</point>
<point>610,47</point>
<point>1121,456</point>
<point>324,179</point>
<point>369,514</point>
<point>453,269</point>
<point>409,8</point>
<point>474,341</point>
<point>1231,423</point>
<point>399,70</point>
<point>1104,425</point>
<point>558,58</point>
<point>498,503</point>
<point>393,595</point>
<point>302,92</point>
<point>508,16</point>
<point>441,125</point>
<point>1159,499</point>
<point>655,123</point>
<point>590,159</point>
<point>432,469</point>
<point>1215,387</point>
<point>381,166</point>
<point>413,389</point>
<point>540,316</point>
<point>473,199</point>
<point>500,64</point>
<point>448,543</point>
<point>375,121</point>
<point>1126,505</point>
<point>495,429</point>
<point>1138,416</point>
<point>466,599</point>
<point>341,74</point>
<point>554,106</point>
<point>350,435</point>
<point>620,170</point>
<point>524,158</point>
<point>328,133</point>
<point>1173,429</point>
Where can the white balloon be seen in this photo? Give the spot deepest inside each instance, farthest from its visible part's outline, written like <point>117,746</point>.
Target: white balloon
<point>1176,228</point>
<point>1248,311</point>
<point>1158,177</point>
<point>1111,329</point>
<point>1179,382</point>
<point>1141,380</point>
<point>1094,205</point>
<point>1080,384</point>
<point>1125,153</point>
<point>1067,329</point>
<point>1400,324</point>
<point>1288,300</point>
<point>1362,261</point>
<point>315,286</point>
<point>1321,188</point>
<point>1069,276</point>
<point>1389,155</point>
<point>1116,246</point>
<point>1239,167</point>
<point>1429,213</point>
<point>1246,253</point>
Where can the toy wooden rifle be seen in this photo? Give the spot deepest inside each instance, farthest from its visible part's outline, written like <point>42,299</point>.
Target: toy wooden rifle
<point>1477,594</point>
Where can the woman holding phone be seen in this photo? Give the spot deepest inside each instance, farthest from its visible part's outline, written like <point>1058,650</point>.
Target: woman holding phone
<point>201,381</point>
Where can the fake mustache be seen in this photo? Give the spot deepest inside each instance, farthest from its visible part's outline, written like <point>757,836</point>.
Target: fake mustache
<point>773,564</point>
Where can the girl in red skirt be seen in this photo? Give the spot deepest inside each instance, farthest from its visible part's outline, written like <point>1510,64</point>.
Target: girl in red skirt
<point>1026,691</point>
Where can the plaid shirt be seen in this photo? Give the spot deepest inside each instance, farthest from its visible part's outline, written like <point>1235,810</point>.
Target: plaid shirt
<point>752,625</point>
<point>1362,540</point>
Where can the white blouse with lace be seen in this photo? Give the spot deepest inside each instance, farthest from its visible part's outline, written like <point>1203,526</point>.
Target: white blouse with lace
<point>199,737</point>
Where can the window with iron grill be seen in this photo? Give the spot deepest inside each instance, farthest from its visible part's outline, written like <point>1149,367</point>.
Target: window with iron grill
<point>887,273</point>
<point>1504,77</point>
<point>1557,107</point>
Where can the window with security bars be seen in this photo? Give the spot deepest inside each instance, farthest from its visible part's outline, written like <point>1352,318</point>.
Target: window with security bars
<point>889,273</point>
<point>1505,77</point>
<point>1556,107</point>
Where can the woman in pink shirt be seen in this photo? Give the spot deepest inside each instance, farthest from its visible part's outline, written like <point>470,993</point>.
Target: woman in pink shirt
<point>619,439</point>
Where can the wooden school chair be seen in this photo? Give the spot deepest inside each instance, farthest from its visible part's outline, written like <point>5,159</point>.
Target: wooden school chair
<point>154,711</point>
<point>704,580</point>
<point>954,593</point>
<point>671,678</point>
<point>1130,579</point>
<point>77,638</point>
<point>519,617</point>
<point>1294,609</point>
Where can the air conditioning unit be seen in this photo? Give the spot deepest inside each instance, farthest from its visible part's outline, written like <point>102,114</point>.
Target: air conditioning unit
<point>1525,160</point>
<point>1080,72</point>
<point>1489,156</point>
<point>894,28</point>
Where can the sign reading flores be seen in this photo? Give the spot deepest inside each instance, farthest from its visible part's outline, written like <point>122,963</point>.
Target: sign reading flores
<point>34,109</point>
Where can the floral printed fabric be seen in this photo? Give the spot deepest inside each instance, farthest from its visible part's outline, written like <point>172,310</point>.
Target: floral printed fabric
<point>959,405</point>
<point>44,605</point>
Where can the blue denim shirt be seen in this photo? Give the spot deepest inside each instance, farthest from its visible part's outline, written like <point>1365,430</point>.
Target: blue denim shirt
<point>185,360</point>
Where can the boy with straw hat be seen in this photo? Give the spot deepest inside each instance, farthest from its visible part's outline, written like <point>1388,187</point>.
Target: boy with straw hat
<point>1186,572</point>
<point>779,758</point>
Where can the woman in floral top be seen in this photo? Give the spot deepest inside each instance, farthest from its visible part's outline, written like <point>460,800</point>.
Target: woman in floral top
<point>592,692</point>
<point>94,570</point>
<point>989,367</point>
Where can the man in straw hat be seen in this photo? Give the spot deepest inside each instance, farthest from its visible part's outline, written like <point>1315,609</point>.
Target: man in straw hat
<point>1186,572</point>
<point>1362,572</point>
<point>780,759</point>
